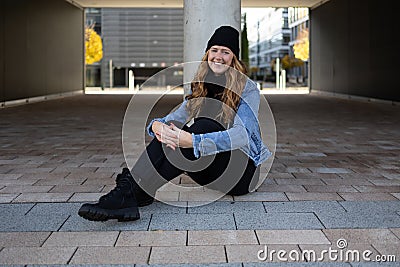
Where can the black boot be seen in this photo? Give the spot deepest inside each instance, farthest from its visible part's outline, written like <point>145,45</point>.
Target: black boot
<point>143,199</point>
<point>120,203</point>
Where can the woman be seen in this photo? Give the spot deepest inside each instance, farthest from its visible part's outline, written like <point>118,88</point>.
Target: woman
<point>213,136</point>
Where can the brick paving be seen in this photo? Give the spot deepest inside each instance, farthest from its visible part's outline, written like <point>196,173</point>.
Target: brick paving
<point>336,175</point>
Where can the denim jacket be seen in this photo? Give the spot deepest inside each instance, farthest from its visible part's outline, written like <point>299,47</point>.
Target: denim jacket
<point>244,134</point>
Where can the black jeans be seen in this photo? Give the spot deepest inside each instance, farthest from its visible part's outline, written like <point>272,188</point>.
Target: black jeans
<point>231,172</point>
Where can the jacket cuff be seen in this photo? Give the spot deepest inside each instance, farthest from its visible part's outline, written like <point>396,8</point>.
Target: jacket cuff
<point>196,144</point>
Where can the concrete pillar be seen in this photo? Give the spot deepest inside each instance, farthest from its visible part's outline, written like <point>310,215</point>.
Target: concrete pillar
<point>201,18</point>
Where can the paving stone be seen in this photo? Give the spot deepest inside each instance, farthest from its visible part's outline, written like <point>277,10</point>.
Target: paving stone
<point>310,154</point>
<point>26,189</point>
<point>391,251</point>
<point>14,209</point>
<point>46,209</point>
<point>312,196</point>
<point>345,181</point>
<point>247,221</point>
<point>304,206</point>
<point>262,196</point>
<point>77,223</point>
<point>192,265</point>
<point>85,197</point>
<point>359,220</point>
<point>364,176</point>
<point>31,168</point>
<point>396,231</point>
<point>298,264</point>
<point>330,170</point>
<point>221,237</point>
<point>33,255</point>
<point>374,264</point>
<point>72,170</point>
<point>316,175</point>
<point>271,176</point>
<point>229,208</point>
<point>297,170</point>
<point>187,254</point>
<point>9,176</point>
<point>167,196</point>
<point>29,223</point>
<point>385,182</point>
<point>366,196</point>
<point>42,197</point>
<point>330,188</point>
<point>391,175</point>
<point>76,189</point>
<point>298,181</point>
<point>197,195</point>
<point>192,222</point>
<point>378,188</point>
<point>352,149</point>
<point>352,253</point>
<point>100,181</point>
<point>23,239</point>
<point>81,239</point>
<point>7,198</point>
<point>160,207</point>
<point>111,255</point>
<point>6,170</point>
<point>14,182</point>
<point>281,188</point>
<point>249,253</point>
<point>152,238</point>
<point>291,237</point>
<point>365,236</point>
<point>43,176</point>
<point>371,207</point>
<point>60,181</point>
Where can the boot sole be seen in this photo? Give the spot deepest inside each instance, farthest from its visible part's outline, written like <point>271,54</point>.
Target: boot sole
<point>101,215</point>
<point>145,202</point>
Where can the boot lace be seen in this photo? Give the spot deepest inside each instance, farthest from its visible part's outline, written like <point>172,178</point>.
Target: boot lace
<point>122,183</point>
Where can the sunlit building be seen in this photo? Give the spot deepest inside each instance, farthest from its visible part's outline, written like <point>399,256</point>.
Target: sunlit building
<point>269,39</point>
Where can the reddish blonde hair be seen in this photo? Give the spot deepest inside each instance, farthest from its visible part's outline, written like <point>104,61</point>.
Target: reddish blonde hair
<point>235,82</point>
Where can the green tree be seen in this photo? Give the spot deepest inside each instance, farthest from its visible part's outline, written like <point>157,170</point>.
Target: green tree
<point>245,44</point>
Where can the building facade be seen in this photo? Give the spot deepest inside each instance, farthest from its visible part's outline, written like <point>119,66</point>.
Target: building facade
<point>268,40</point>
<point>298,23</point>
<point>144,40</point>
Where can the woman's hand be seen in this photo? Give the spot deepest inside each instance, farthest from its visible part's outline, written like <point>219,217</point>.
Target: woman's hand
<point>164,134</point>
<point>183,138</point>
<point>171,135</point>
<point>156,127</point>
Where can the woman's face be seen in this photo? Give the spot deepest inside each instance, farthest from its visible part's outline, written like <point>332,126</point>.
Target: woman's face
<point>219,59</point>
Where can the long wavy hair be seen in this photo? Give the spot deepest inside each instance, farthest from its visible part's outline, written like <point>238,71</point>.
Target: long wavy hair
<point>235,82</point>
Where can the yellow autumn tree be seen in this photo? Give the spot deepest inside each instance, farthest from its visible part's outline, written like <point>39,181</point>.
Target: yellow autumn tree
<point>302,45</point>
<point>93,45</point>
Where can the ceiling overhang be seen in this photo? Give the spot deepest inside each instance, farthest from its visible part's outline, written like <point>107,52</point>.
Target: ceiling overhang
<point>179,3</point>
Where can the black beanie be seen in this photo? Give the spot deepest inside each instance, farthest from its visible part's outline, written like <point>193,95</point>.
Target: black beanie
<point>225,36</point>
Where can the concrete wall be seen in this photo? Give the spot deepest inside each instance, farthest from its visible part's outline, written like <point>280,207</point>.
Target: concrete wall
<point>353,49</point>
<point>41,48</point>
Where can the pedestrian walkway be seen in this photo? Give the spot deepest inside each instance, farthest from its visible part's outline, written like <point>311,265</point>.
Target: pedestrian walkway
<point>334,185</point>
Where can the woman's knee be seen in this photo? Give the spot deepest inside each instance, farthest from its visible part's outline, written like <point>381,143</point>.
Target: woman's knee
<point>205,125</point>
